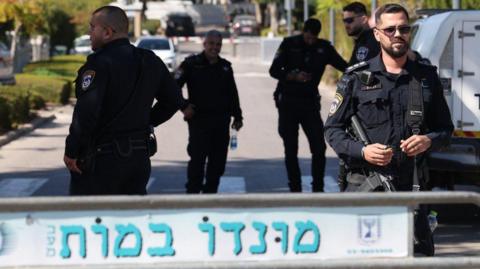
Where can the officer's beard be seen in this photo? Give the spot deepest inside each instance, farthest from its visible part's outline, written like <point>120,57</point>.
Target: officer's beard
<point>355,31</point>
<point>396,52</point>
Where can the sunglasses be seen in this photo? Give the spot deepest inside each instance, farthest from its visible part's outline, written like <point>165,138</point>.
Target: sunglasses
<point>390,31</point>
<point>350,19</point>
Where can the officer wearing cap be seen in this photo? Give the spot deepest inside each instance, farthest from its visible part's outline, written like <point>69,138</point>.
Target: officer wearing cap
<point>212,102</point>
<point>355,20</point>
<point>401,107</point>
<point>106,149</point>
<point>298,66</point>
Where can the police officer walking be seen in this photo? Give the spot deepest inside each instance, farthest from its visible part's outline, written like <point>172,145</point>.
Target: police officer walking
<point>298,66</point>
<point>212,101</point>
<point>355,20</point>
<point>106,150</point>
<point>400,106</point>
<point>366,47</point>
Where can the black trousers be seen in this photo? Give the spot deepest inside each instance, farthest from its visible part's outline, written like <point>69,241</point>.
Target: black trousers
<point>114,175</point>
<point>208,140</point>
<point>305,114</point>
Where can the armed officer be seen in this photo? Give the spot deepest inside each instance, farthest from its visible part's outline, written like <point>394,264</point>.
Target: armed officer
<point>106,150</point>
<point>400,105</point>
<point>212,102</point>
<point>366,47</point>
<point>298,66</point>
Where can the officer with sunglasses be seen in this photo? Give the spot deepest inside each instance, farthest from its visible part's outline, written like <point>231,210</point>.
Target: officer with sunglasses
<point>356,24</point>
<point>298,66</point>
<point>401,108</point>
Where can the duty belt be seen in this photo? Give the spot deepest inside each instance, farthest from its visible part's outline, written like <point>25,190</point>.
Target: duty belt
<point>114,146</point>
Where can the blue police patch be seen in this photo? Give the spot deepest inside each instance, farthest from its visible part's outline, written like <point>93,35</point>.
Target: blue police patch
<point>362,53</point>
<point>87,79</point>
<point>336,103</point>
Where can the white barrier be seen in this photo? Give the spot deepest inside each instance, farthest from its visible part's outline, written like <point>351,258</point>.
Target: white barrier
<point>218,231</point>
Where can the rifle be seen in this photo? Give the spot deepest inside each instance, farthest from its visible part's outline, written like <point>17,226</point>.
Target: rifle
<point>375,179</point>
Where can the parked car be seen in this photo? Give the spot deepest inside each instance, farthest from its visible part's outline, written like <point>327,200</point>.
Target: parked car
<point>7,77</point>
<point>245,25</point>
<point>82,45</point>
<point>179,24</point>
<point>163,47</point>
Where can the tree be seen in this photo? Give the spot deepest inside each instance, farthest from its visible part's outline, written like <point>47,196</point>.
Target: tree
<point>25,15</point>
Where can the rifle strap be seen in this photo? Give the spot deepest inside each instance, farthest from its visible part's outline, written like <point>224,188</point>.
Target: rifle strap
<point>414,119</point>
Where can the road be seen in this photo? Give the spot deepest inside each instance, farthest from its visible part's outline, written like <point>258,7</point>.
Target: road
<point>33,166</point>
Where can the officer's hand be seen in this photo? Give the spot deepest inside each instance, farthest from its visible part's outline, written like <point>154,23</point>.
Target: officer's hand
<point>303,76</point>
<point>188,112</point>
<point>71,164</point>
<point>378,154</point>
<point>415,144</point>
<point>237,124</point>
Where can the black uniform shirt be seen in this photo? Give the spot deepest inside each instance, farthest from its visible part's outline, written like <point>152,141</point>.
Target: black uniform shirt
<point>105,88</point>
<point>381,108</point>
<point>295,55</point>
<point>366,47</point>
<point>211,87</point>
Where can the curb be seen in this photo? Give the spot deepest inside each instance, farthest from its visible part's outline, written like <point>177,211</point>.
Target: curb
<point>25,129</point>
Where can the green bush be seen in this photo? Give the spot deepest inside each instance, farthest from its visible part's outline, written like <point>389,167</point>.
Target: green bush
<point>5,121</point>
<point>65,93</point>
<point>37,102</point>
<point>21,109</point>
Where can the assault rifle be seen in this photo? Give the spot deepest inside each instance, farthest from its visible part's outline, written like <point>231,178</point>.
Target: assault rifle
<point>375,179</point>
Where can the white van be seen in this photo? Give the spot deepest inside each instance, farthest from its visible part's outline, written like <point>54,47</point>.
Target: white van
<point>451,41</point>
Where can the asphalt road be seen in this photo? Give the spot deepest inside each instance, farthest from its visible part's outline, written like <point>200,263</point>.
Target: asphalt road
<point>33,166</point>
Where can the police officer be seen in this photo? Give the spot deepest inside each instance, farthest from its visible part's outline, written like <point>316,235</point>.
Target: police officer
<point>355,20</point>
<point>299,65</point>
<point>212,101</point>
<point>366,47</point>
<point>106,150</point>
<point>401,107</point>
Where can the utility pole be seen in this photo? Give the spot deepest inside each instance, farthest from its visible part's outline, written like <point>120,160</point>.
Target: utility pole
<point>288,7</point>
<point>332,26</point>
<point>456,4</point>
<point>374,7</point>
<point>305,10</point>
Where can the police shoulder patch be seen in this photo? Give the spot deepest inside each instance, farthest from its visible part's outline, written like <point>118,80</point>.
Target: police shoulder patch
<point>87,79</point>
<point>336,103</point>
<point>356,66</point>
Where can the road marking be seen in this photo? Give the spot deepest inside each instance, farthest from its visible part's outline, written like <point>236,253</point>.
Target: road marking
<point>20,187</point>
<point>232,185</point>
<point>150,182</point>
<point>329,182</point>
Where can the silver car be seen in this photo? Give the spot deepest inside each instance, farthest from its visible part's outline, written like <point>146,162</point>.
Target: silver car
<point>6,66</point>
<point>163,47</point>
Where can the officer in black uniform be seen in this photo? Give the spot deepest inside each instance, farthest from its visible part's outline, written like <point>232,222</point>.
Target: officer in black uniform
<point>401,108</point>
<point>366,47</point>
<point>106,150</point>
<point>212,101</point>
<point>356,24</point>
<point>299,65</point>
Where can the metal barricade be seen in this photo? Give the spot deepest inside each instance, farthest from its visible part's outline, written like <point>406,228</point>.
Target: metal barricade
<point>45,225</point>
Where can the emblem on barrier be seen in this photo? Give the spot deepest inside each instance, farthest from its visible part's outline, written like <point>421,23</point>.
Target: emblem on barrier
<point>369,229</point>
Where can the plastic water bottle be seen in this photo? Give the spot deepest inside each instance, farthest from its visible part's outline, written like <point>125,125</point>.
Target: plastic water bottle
<point>233,139</point>
<point>432,220</point>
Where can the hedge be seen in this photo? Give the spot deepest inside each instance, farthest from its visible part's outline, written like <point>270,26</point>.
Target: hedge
<point>41,83</point>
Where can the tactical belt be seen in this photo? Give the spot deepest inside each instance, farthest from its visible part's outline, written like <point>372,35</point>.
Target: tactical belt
<point>133,144</point>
